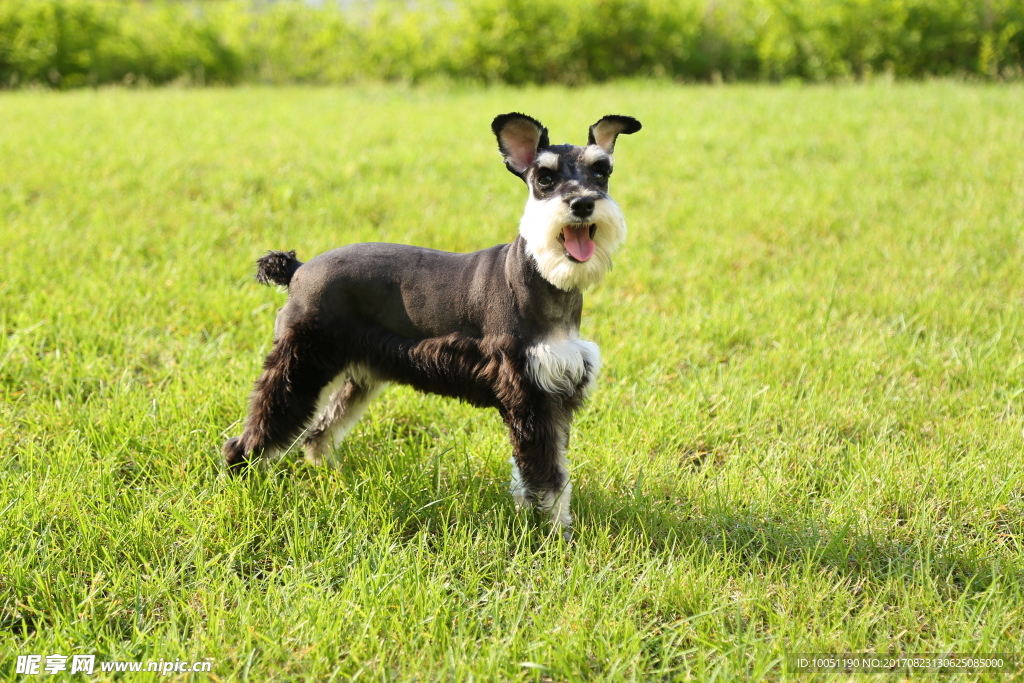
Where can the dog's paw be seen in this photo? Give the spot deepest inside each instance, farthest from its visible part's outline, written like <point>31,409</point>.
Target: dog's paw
<point>234,455</point>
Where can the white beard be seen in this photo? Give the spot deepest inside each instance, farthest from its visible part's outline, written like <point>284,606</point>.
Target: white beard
<point>541,225</point>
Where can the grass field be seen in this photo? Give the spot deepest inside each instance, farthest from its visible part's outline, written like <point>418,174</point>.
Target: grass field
<point>807,436</point>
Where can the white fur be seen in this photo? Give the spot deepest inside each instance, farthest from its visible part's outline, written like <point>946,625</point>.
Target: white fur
<point>556,504</point>
<point>270,456</point>
<point>560,366</point>
<point>362,375</point>
<point>517,487</point>
<point>592,154</point>
<point>352,413</point>
<point>548,160</point>
<point>541,225</point>
<point>338,414</point>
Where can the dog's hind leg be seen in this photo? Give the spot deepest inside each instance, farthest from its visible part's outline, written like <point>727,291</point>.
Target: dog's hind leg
<point>343,403</point>
<point>304,359</point>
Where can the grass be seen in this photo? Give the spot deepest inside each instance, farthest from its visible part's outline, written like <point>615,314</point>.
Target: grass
<point>807,436</point>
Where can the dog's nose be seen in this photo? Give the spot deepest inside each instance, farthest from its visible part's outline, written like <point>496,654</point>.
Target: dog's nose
<point>582,207</point>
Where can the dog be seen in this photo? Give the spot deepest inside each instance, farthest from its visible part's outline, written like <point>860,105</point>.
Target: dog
<point>496,328</point>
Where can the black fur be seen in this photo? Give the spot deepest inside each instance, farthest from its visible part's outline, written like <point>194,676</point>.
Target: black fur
<point>488,372</point>
<point>277,268</point>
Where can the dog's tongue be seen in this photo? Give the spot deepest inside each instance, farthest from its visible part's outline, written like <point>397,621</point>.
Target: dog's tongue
<point>578,242</point>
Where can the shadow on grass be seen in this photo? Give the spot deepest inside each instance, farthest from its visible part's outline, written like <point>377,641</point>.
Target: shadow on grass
<point>426,495</point>
<point>752,539</point>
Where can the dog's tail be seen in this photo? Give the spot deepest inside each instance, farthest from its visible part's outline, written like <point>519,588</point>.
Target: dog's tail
<point>277,268</point>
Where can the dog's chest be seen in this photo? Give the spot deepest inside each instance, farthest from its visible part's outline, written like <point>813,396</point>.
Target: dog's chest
<point>566,366</point>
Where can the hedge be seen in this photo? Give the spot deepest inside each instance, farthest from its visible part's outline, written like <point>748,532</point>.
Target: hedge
<point>69,43</point>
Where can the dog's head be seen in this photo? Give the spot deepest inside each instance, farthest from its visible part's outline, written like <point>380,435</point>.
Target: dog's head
<point>571,225</point>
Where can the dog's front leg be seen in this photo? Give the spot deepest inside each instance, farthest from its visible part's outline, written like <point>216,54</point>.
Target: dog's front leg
<point>540,470</point>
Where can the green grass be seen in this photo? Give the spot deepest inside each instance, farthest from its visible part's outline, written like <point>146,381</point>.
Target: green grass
<point>807,436</point>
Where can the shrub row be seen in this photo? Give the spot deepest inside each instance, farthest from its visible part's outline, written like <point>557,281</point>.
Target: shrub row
<point>68,43</point>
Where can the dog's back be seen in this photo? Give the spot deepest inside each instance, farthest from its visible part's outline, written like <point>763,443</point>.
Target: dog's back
<point>420,293</point>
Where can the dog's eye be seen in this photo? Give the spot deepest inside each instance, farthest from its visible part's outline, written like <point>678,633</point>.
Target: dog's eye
<point>600,173</point>
<point>545,180</point>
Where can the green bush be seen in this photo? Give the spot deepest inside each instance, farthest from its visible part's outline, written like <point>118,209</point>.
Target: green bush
<point>68,43</point>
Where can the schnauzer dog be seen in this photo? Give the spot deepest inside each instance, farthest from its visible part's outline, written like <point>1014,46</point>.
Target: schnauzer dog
<point>497,328</point>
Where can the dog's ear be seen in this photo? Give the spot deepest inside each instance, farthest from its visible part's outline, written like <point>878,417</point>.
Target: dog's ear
<point>604,132</point>
<point>519,138</point>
